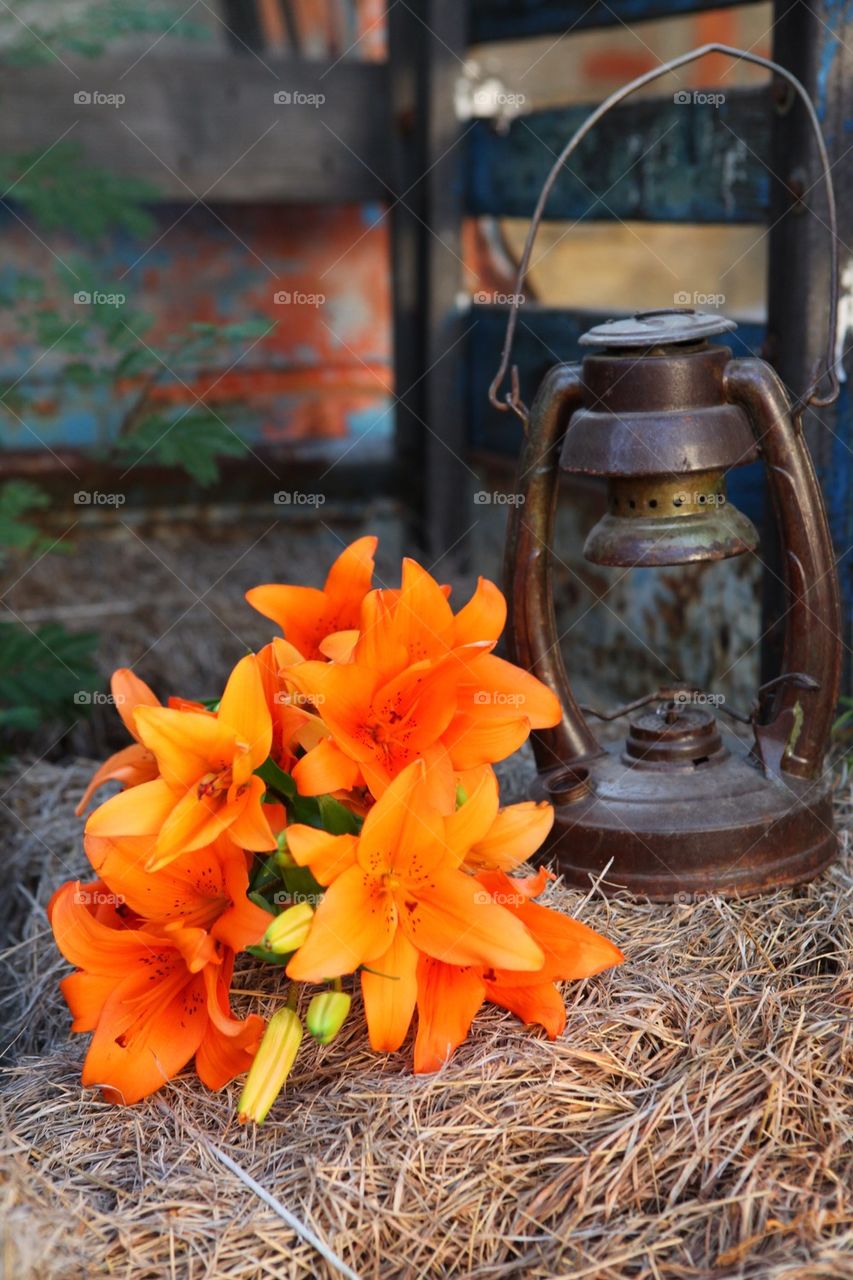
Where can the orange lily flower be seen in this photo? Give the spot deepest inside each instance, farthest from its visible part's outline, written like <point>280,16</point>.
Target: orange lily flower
<point>207,783</point>
<point>153,996</point>
<point>485,837</point>
<point>134,764</point>
<point>448,996</point>
<point>204,889</point>
<point>307,616</point>
<point>393,892</point>
<point>422,684</point>
<point>294,721</point>
<point>402,872</point>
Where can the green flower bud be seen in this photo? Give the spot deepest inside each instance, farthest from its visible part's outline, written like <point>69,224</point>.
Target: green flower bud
<point>283,856</point>
<point>326,1014</point>
<point>289,930</point>
<point>272,1065</point>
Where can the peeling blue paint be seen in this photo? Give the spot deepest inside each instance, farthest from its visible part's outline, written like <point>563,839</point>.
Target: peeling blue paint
<point>376,420</point>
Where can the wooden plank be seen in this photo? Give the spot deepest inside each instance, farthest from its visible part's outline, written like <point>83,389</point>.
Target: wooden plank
<point>656,159</point>
<point>407,69</point>
<point>815,42</point>
<point>207,123</point>
<point>515,19</point>
<point>449,479</point>
<point>545,336</point>
<point>427,44</point>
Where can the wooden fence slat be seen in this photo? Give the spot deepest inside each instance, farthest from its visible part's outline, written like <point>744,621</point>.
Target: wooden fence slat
<point>209,121</point>
<point>515,19</point>
<point>657,159</point>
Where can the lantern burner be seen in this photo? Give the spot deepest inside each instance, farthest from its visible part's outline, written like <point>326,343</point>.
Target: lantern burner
<point>673,735</point>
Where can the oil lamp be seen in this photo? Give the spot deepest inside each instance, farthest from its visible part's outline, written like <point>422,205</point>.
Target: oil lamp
<point>684,804</point>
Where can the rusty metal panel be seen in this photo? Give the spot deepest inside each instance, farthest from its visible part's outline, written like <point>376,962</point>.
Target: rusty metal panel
<point>321,376</point>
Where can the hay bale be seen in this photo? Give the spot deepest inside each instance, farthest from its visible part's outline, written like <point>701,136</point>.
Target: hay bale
<point>693,1121</point>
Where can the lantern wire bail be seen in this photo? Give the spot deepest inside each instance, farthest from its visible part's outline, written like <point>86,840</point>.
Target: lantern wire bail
<point>512,399</point>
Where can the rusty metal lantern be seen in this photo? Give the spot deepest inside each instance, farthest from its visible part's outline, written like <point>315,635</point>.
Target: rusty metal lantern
<point>664,413</point>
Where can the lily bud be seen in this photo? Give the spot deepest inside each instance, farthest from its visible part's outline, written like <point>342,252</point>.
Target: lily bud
<point>289,930</point>
<point>326,1014</point>
<point>283,856</point>
<point>271,1066</point>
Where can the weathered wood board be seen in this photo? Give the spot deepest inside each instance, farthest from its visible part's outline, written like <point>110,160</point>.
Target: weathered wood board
<point>682,158</point>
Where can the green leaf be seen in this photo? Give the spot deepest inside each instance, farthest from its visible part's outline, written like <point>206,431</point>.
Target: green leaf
<point>276,779</point>
<point>270,957</point>
<point>46,673</point>
<point>88,30</point>
<point>81,373</point>
<point>264,874</point>
<point>300,884</point>
<point>337,818</point>
<point>18,499</point>
<point>260,901</point>
<point>61,192</point>
<point>193,442</point>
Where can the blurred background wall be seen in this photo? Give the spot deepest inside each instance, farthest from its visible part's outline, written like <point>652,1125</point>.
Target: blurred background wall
<point>255,270</point>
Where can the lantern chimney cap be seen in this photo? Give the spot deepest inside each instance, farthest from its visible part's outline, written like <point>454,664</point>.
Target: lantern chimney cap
<point>663,328</point>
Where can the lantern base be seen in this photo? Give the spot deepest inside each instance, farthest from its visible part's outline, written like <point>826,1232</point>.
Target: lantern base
<point>719,826</point>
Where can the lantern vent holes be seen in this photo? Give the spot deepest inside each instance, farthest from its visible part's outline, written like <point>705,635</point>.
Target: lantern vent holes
<point>651,504</point>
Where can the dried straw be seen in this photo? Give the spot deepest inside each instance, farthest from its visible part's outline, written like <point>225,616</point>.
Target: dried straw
<point>693,1121</point>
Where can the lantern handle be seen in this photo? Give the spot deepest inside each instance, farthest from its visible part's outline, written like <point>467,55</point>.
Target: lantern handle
<point>513,400</point>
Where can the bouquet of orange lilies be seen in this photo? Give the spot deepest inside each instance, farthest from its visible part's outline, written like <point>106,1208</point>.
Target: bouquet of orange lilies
<point>334,813</point>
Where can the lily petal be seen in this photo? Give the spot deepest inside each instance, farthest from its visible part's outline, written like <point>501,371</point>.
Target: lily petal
<point>448,999</point>
<point>455,920</point>
<point>129,692</point>
<point>472,821</point>
<point>324,769</point>
<point>353,924</point>
<point>513,837</point>
<point>483,617</point>
<point>139,811</point>
<point>403,832</point>
<point>327,855</point>
<point>244,709</point>
<point>187,744</point>
<point>390,990</point>
<point>539,1003</point>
